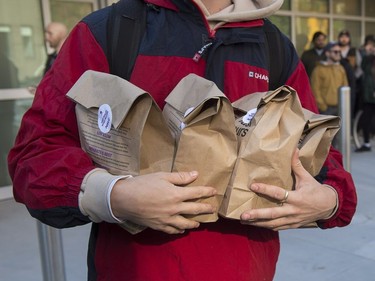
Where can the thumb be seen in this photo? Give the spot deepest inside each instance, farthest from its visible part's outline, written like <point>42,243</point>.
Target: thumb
<point>182,178</point>
<point>297,167</point>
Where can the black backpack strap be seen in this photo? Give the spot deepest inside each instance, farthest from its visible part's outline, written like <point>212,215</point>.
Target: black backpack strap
<point>275,54</point>
<point>125,28</point>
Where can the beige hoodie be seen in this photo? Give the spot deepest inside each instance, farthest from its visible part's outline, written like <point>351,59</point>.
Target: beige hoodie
<point>243,10</point>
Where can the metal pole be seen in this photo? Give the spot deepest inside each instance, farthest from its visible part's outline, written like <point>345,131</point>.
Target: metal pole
<point>51,252</point>
<point>345,115</point>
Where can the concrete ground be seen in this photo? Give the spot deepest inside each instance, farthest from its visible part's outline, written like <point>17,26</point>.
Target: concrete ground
<point>344,254</point>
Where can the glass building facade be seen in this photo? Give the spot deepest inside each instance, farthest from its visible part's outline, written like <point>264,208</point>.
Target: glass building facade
<point>23,50</point>
<point>300,19</point>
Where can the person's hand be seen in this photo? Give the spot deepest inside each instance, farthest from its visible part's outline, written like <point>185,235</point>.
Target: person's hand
<point>309,202</point>
<point>160,200</point>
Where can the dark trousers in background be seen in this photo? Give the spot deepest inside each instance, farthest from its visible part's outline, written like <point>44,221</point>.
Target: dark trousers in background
<point>367,120</point>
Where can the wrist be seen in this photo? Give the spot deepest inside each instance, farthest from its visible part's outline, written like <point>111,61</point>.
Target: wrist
<point>335,202</point>
<point>109,192</point>
<point>128,225</point>
<point>93,198</point>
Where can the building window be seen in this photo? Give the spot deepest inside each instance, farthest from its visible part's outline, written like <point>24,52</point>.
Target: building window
<point>317,6</point>
<point>347,7</point>
<point>11,112</point>
<point>22,55</point>
<point>5,40</point>
<point>370,28</point>
<point>22,36</point>
<point>305,29</point>
<point>283,23</point>
<point>286,5</point>
<point>329,16</point>
<point>370,8</point>
<point>71,12</point>
<point>27,41</point>
<point>354,28</point>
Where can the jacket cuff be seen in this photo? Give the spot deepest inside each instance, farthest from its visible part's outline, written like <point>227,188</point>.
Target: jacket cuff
<point>94,196</point>
<point>337,203</point>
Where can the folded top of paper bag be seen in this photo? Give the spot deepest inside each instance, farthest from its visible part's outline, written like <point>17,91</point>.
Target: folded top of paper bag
<point>190,94</point>
<point>89,88</point>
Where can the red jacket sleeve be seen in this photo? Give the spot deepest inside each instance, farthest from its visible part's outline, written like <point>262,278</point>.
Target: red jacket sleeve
<point>332,173</point>
<point>47,164</point>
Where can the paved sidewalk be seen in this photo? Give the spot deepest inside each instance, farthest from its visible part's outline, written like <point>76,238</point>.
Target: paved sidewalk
<point>19,247</point>
<point>344,254</point>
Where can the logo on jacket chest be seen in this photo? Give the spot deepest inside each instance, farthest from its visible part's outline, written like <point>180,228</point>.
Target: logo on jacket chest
<point>258,76</point>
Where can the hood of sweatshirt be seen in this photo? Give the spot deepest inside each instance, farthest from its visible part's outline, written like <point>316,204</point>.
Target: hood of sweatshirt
<point>243,10</point>
<point>238,11</point>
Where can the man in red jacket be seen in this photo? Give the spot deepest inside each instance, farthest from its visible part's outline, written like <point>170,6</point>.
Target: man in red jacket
<point>61,186</point>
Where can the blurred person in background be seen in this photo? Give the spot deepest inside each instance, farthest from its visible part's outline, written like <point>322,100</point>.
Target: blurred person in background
<point>351,61</point>
<point>327,77</point>
<point>310,58</point>
<point>349,52</point>
<point>367,47</point>
<point>367,91</point>
<point>55,35</point>
<point>364,50</point>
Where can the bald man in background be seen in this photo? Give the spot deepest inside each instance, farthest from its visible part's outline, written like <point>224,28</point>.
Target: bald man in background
<point>55,35</point>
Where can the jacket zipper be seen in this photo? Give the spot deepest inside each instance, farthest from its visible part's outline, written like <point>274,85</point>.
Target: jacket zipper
<point>209,42</point>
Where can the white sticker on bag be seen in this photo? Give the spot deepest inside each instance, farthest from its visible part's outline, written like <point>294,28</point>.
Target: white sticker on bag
<point>182,126</point>
<point>104,118</point>
<point>187,112</point>
<point>249,116</point>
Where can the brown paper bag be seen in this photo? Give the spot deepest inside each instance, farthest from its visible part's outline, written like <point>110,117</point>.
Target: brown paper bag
<point>121,127</point>
<point>202,121</point>
<point>268,132</point>
<point>315,143</point>
<point>316,140</point>
<point>136,140</point>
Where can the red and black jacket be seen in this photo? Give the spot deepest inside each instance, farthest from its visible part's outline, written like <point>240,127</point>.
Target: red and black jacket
<point>47,164</point>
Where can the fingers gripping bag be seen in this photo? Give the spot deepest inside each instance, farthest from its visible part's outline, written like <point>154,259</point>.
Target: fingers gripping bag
<point>202,122</point>
<point>269,126</point>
